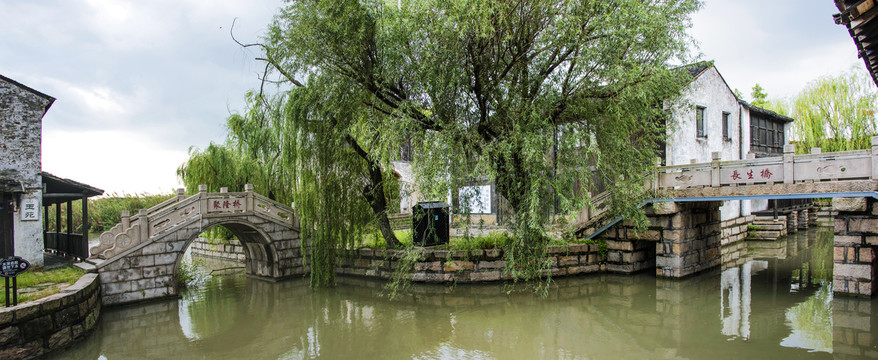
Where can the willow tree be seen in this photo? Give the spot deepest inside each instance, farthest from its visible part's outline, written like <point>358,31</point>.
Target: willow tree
<point>530,94</point>
<point>835,113</point>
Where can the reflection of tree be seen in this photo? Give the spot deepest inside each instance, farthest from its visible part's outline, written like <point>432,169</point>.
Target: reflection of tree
<point>215,311</point>
<point>811,322</point>
<point>821,258</point>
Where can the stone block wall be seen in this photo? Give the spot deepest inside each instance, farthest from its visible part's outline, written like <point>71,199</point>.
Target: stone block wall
<point>691,242</point>
<point>767,228</point>
<point>464,266</point>
<point>41,326</point>
<point>825,214</point>
<point>804,216</point>
<point>853,327</point>
<point>856,234</point>
<point>793,222</point>
<point>735,230</point>
<point>231,250</point>
<point>681,239</point>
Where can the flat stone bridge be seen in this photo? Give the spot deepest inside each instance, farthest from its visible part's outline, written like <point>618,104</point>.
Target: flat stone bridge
<point>139,258</point>
<point>685,232</point>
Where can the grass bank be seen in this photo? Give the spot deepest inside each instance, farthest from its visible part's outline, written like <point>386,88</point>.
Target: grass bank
<point>38,284</point>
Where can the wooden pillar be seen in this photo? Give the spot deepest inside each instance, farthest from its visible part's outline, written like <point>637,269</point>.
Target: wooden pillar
<point>84,252</point>
<point>57,220</point>
<point>67,243</point>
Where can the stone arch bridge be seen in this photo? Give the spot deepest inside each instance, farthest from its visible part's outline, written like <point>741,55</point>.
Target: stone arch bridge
<point>138,259</point>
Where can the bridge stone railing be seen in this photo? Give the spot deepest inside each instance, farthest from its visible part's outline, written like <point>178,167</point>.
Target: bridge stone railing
<point>181,210</point>
<point>788,169</point>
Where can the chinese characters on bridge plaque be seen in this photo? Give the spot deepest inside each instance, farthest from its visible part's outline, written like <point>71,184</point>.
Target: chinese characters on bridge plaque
<point>227,204</point>
<point>764,174</point>
<point>29,210</point>
<point>752,174</point>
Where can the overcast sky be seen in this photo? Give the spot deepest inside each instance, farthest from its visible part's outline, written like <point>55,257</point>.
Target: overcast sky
<point>139,82</point>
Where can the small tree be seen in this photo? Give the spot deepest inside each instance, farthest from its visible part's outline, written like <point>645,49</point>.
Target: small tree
<point>759,96</point>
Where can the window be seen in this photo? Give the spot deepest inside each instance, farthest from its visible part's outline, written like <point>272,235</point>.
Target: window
<point>475,199</point>
<point>700,127</point>
<point>726,126</point>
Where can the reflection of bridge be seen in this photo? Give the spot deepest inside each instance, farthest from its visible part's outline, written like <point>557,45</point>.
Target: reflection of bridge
<point>139,258</point>
<point>685,221</point>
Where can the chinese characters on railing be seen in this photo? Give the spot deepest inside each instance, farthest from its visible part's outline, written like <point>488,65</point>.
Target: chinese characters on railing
<point>763,174</point>
<point>227,204</point>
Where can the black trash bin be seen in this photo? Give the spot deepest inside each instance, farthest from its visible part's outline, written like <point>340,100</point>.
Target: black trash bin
<point>430,223</point>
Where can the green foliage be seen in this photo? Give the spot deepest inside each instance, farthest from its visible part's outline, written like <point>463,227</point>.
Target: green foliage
<point>374,239</point>
<point>759,96</point>
<point>835,113</point>
<point>189,271</point>
<point>400,281</point>
<point>106,212</point>
<point>526,94</point>
<point>30,279</point>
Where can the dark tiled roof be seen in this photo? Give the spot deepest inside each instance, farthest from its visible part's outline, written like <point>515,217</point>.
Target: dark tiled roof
<point>29,89</point>
<point>860,19</point>
<point>697,68</point>
<point>59,185</point>
<point>766,112</point>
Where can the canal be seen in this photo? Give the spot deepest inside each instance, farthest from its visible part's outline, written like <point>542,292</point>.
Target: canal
<point>768,300</point>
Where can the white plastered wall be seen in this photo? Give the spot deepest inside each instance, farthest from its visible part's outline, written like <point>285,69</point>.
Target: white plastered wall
<point>710,91</point>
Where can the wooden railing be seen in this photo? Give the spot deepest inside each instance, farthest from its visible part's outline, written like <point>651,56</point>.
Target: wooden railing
<point>69,244</point>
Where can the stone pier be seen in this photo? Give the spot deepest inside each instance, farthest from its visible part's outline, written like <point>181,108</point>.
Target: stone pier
<point>681,239</point>
<point>856,234</point>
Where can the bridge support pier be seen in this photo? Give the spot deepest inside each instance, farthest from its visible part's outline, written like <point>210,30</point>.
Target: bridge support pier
<point>856,234</point>
<point>682,239</point>
<point>691,238</point>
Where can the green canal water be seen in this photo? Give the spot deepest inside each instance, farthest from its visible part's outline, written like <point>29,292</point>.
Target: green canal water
<point>770,300</point>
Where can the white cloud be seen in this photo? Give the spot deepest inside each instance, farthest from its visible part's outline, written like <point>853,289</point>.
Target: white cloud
<point>779,44</point>
<point>116,161</point>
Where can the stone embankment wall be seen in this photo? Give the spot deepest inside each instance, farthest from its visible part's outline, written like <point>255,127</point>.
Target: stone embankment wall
<point>735,230</point>
<point>230,250</point>
<point>462,266</point>
<point>856,234</point>
<point>41,326</point>
<point>853,329</point>
<point>767,228</point>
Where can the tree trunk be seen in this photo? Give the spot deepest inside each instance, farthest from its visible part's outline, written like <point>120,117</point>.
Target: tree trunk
<point>374,194</point>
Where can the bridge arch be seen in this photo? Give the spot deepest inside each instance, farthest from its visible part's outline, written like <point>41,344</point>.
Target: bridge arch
<point>260,253</point>
<point>139,258</point>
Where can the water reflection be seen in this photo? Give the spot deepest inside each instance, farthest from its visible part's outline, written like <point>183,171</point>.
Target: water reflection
<point>774,301</point>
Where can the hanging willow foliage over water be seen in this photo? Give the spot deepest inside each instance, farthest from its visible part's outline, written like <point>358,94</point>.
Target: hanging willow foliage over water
<point>527,94</point>
<point>834,113</point>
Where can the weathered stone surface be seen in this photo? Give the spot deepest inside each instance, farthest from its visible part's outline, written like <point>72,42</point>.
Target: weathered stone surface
<point>37,327</point>
<point>8,334</point>
<point>26,351</point>
<point>60,338</point>
<point>458,265</point>
<point>857,271</point>
<point>849,204</point>
<point>863,226</point>
<point>485,276</point>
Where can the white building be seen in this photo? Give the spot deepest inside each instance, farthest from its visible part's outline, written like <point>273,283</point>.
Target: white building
<point>710,118</point>
<point>25,190</point>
